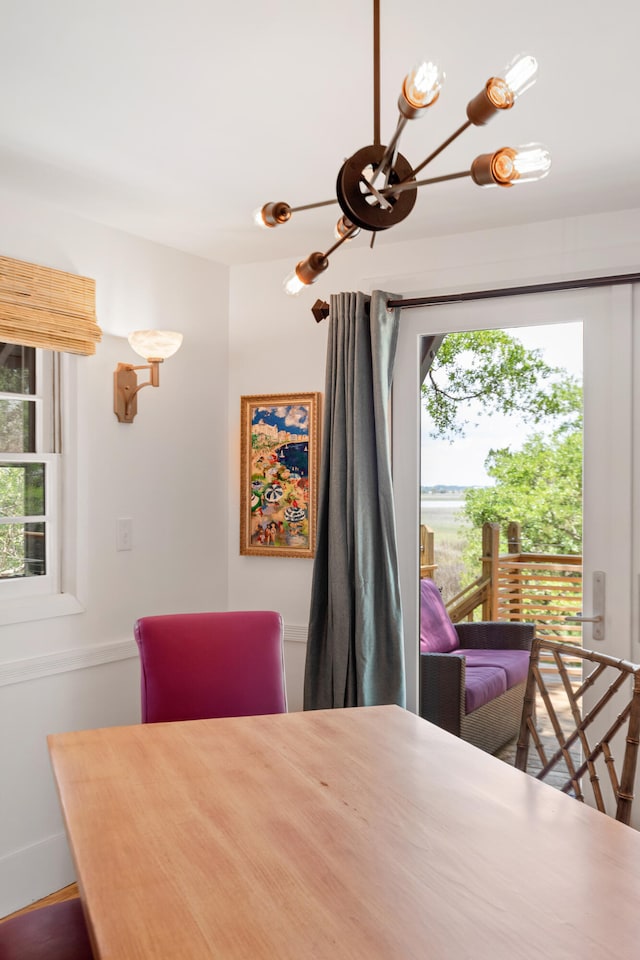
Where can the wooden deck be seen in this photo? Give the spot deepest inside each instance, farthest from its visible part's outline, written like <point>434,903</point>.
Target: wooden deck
<point>561,706</point>
<point>540,588</point>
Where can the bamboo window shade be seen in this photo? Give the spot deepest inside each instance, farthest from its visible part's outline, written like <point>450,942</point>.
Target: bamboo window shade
<point>41,307</point>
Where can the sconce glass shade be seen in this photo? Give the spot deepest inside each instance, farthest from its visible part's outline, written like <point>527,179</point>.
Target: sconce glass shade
<point>155,344</point>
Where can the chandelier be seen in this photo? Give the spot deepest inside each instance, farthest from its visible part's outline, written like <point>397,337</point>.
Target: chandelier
<point>377,187</point>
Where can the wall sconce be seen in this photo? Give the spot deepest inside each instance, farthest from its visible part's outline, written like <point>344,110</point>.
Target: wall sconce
<point>155,346</point>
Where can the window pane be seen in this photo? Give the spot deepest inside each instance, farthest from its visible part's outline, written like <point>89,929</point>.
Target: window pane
<point>17,426</point>
<point>22,550</point>
<point>17,368</point>
<point>22,490</point>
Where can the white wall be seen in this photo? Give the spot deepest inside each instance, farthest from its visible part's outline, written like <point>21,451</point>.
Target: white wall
<point>167,473</point>
<point>275,346</point>
<point>164,471</point>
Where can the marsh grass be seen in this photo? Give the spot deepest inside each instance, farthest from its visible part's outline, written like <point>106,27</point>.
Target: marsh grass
<point>444,516</point>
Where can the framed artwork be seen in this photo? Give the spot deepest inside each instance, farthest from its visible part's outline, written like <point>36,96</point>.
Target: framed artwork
<point>279,474</point>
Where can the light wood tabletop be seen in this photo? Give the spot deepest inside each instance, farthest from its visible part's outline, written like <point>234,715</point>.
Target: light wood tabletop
<point>362,833</point>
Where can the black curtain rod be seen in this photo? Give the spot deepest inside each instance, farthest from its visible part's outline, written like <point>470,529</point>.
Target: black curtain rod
<point>320,308</point>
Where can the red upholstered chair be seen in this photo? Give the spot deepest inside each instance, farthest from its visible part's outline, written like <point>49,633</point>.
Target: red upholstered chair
<point>54,932</point>
<point>202,665</point>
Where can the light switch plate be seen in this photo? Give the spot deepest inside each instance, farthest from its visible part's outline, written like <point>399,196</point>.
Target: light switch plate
<point>124,533</point>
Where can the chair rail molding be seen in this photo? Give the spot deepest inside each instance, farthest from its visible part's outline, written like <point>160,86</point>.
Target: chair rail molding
<point>62,661</point>
<point>79,658</point>
<point>295,633</point>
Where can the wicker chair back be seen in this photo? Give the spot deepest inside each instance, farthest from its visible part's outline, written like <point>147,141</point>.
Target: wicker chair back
<point>584,736</point>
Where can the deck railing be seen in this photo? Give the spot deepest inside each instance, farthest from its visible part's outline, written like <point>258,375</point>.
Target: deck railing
<point>540,588</point>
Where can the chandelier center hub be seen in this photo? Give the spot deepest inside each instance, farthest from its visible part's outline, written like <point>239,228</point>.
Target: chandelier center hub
<point>372,210</point>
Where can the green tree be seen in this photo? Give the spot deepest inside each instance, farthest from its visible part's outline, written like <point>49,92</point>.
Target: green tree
<point>484,372</point>
<point>539,485</point>
<point>490,371</point>
<point>21,494</point>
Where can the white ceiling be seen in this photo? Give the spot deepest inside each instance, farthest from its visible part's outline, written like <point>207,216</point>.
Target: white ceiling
<point>175,119</point>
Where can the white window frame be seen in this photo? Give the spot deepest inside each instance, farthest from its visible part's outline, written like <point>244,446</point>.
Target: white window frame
<point>48,582</point>
<point>40,597</point>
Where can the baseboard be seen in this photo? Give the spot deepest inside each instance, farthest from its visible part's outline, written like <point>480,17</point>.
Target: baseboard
<point>33,872</point>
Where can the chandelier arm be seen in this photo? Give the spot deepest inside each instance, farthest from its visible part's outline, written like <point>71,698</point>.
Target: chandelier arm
<point>442,146</point>
<point>376,72</point>
<point>412,184</point>
<point>313,206</point>
<point>389,155</point>
<point>377,194</point>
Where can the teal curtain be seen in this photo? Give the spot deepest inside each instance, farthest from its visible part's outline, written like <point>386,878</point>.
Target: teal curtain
<point>355,654</point>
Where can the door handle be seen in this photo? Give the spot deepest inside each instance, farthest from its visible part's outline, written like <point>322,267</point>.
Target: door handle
<point>597,619</point>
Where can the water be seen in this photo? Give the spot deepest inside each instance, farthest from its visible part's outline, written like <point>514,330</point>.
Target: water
<point>429,503</point>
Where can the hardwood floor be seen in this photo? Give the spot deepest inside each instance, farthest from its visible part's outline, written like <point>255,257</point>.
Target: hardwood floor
<point>67,893</point>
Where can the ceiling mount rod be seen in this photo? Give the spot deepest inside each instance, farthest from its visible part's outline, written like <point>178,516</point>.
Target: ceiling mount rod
<point>376,72</point>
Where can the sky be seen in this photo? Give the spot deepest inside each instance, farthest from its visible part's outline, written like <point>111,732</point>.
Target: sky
<point>462,463</point>
<point>293,418</point>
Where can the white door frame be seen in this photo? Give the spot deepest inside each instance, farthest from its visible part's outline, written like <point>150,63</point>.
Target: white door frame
<point>608,416</point>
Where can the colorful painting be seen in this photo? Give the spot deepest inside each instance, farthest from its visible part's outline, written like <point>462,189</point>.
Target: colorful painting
<point>279,465</point>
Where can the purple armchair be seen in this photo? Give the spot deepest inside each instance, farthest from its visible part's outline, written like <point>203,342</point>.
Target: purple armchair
<point>54,932</point>
<point>203,665</point>
<point>472,675</point>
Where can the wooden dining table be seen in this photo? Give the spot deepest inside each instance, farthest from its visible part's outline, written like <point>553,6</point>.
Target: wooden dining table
<point>358,833</point>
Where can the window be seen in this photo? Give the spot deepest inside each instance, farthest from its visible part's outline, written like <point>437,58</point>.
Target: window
<point>29,465</point>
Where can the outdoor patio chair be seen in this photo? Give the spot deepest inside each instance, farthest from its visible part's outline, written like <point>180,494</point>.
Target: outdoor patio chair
<point>472,675</point>
<point>585,736</point>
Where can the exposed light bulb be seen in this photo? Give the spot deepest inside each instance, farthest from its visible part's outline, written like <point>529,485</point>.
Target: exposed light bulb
<point>258,218</point>
<point>272,214</point>
<point>519,75</point>
<point>529,162</point>
<point>510,166</point>
<point>422,86</point>
<point>342,228</point>
<point>500,93</point>
<point>293,285</point>
<point>306,272</point>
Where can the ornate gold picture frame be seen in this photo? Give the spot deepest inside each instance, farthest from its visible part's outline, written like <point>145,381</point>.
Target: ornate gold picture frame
<point>279,474</point>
